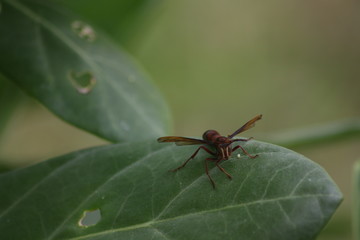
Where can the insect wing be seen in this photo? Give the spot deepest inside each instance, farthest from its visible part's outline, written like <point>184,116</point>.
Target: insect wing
<point>246,126</point>
<point>181,140</point>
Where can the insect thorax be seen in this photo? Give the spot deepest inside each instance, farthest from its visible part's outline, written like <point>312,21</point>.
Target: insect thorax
<point>210,136</point>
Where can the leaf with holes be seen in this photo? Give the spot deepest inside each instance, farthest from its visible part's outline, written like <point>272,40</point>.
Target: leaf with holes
<point>78,73</point>
<point>278,195</point>
<point>123,18</point>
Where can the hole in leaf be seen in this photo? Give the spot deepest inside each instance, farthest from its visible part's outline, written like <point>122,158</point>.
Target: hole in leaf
<point>84,82</point>
<point>90,218</point>
<point>83,30</point>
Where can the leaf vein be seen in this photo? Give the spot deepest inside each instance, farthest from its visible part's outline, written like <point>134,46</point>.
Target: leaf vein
<point>152,223</point>
<point>273,176</point>
<point>301,181</point>
<point>83,54</point>
<point>15,203</point>
<point>103,184</point>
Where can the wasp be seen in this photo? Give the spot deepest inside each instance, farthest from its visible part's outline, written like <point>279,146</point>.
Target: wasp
<point>221,145</point>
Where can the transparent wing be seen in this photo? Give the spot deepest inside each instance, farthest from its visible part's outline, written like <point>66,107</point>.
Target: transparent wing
<point>181,140</point>
<point>246,126</point>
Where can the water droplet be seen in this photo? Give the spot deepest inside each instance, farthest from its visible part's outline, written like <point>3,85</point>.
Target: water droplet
<point>84,30</point>
<point>84,82</point>
<point>90,218</point>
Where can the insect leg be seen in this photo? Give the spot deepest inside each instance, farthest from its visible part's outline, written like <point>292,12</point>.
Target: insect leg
<point>250,156</point>
<point>207,171</point>
<point>222,169</point>
<point>192,156</point>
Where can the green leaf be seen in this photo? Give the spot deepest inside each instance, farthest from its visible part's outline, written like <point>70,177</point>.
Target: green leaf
<point>78,73</point>
<point>356,201</point>
<point>115,16</point>
<point>278,195</point>
<point>10,96</point>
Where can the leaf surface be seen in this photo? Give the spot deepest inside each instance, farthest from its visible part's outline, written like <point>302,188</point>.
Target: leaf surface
<point>10,96</point>
<point>78,73</point>
<point>356,201</point>
<point>122,19</point>
<point>278,195</point>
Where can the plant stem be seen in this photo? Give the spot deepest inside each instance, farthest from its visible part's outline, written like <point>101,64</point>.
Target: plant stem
<point>316,135</point>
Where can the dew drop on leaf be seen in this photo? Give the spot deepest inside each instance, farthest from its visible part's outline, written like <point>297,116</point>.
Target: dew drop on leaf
<point>84,30</point>
<point>84,82</point>
<point>90,218</point>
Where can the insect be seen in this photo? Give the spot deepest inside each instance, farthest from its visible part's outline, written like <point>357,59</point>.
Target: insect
<point>221,145</point>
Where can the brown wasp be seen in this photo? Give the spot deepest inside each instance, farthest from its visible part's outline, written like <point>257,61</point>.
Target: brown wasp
<point>221,144</point>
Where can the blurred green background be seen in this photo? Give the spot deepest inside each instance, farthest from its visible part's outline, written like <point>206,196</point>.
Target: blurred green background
<point>218,64</point>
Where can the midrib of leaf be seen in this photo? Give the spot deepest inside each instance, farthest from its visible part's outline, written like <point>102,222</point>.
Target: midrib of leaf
<point>53,29</point>
<point>150,223</point>
<point>43,52</point>
<point>103,184</point>
<point>156,220</point>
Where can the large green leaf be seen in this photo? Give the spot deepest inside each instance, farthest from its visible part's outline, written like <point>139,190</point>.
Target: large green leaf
<point>78,73</point>
<point>10,96</point>
<point>356,201</point>
<point>278,195</point>
<point>121,19</point>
